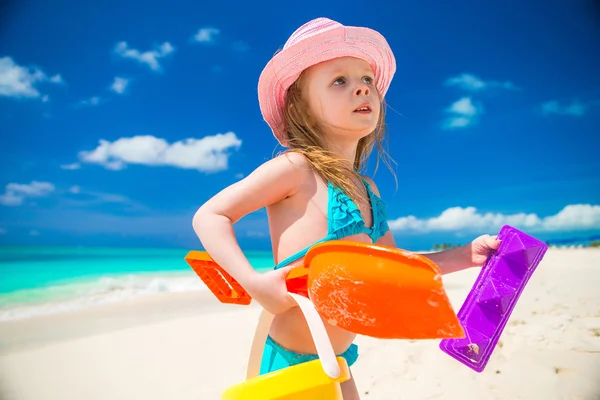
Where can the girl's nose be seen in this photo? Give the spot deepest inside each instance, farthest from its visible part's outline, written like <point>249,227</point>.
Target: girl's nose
<point>362,90</point>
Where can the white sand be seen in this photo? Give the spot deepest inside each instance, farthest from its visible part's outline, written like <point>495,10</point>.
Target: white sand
<point>189,346</point>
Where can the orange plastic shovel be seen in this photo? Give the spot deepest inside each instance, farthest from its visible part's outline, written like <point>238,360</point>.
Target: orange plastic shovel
<point>367,289</point>
<point>380,292</point>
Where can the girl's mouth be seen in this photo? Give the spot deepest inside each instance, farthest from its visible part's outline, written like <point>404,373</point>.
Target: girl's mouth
<point>366,109</point>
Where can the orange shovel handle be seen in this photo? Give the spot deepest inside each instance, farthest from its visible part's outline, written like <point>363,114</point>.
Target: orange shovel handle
<point>227,289</point>
<point>223,285</point>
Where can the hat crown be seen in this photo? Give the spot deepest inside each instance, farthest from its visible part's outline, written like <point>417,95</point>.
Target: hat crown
<point>311,28</point>
<point>319,40</point>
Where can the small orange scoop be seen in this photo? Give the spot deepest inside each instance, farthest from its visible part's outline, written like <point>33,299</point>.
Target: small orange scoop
<point>367,289</point>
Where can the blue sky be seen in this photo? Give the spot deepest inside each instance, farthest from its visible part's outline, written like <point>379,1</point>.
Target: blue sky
<point>119,120</point>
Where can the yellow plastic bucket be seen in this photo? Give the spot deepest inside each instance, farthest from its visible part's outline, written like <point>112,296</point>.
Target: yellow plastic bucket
<point>299,382</point>
<point>317,379</point>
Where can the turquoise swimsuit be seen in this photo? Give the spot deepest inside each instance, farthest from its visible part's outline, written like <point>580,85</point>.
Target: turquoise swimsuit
<point>344,219</point>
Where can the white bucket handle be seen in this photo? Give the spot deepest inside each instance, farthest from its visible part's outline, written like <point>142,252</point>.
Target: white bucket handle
<point>317,330</point>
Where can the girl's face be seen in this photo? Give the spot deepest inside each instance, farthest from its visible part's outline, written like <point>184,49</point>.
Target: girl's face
<point>342,97</point>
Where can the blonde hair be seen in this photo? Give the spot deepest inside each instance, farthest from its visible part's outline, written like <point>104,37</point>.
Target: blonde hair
<point>304,136</point>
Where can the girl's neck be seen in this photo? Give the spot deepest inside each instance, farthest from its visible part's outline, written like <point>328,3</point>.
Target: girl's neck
<point>344,150</point>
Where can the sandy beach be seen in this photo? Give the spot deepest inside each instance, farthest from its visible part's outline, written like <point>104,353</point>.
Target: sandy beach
<point>190,346</point>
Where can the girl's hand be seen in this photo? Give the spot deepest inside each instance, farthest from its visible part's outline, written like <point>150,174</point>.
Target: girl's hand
<point>270,291</point>
<point>482,247</point>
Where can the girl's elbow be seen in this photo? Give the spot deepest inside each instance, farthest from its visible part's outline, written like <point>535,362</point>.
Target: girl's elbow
<point>206,220</point>
<point>199,219</point>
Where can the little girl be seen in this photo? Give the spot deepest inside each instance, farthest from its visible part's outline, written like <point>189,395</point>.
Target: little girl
<point>322,96</point>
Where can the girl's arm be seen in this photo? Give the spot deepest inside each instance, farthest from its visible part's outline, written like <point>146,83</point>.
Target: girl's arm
<point>448,261</point>
<point>273,181</point>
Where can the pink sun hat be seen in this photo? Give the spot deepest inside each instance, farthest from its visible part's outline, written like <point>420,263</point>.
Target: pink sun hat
<point>319,40</point>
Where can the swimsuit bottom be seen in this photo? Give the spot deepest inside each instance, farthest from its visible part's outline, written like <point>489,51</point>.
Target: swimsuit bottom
<point>276,357</point>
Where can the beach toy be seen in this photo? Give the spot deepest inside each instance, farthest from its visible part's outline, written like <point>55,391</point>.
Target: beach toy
<point>495,293</point>
<point>379,291</point>
<point>298,382</point>
<point>317,379</point>
<point>368,289</point>
<point>220,283</point>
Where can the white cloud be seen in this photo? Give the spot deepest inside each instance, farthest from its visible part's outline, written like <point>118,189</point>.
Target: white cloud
<point>119,85</point>
<point>473,83</point>
<point>110,198</point>
<point>34,232</point>
<point>463,112</point>
<point>80,197</point>
<point>576,108</point>
<point>150,58</point>
<point>3,231</point>
<point>463,106</point>
<point>18,81</point>
<point>574,217</point>
<point>92,101</point>
<point>15,193</point>
<point>209,154</point>
<point>571,218</point>
<point>207,35</point>
<point>71,166</point>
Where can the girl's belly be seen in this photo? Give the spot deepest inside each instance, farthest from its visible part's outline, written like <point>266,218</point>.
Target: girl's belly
<point>290,330</point>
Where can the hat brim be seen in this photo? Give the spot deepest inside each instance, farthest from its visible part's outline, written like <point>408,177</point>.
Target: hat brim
<point>343,41</point>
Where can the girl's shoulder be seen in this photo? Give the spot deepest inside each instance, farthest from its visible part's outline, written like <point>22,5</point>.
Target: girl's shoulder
<point>371,183</point>
<point>285,163</point>
<point>279,177</point>
<point>297,160</point>
<point>290,164</point>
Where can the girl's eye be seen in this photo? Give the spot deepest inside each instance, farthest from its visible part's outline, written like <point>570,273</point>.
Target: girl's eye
<point>340,81</point>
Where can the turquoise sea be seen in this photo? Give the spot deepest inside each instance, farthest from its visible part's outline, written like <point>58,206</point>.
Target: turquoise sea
<point>43,280</point>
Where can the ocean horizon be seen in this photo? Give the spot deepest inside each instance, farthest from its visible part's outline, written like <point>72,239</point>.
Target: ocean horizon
<point>38,280</point>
